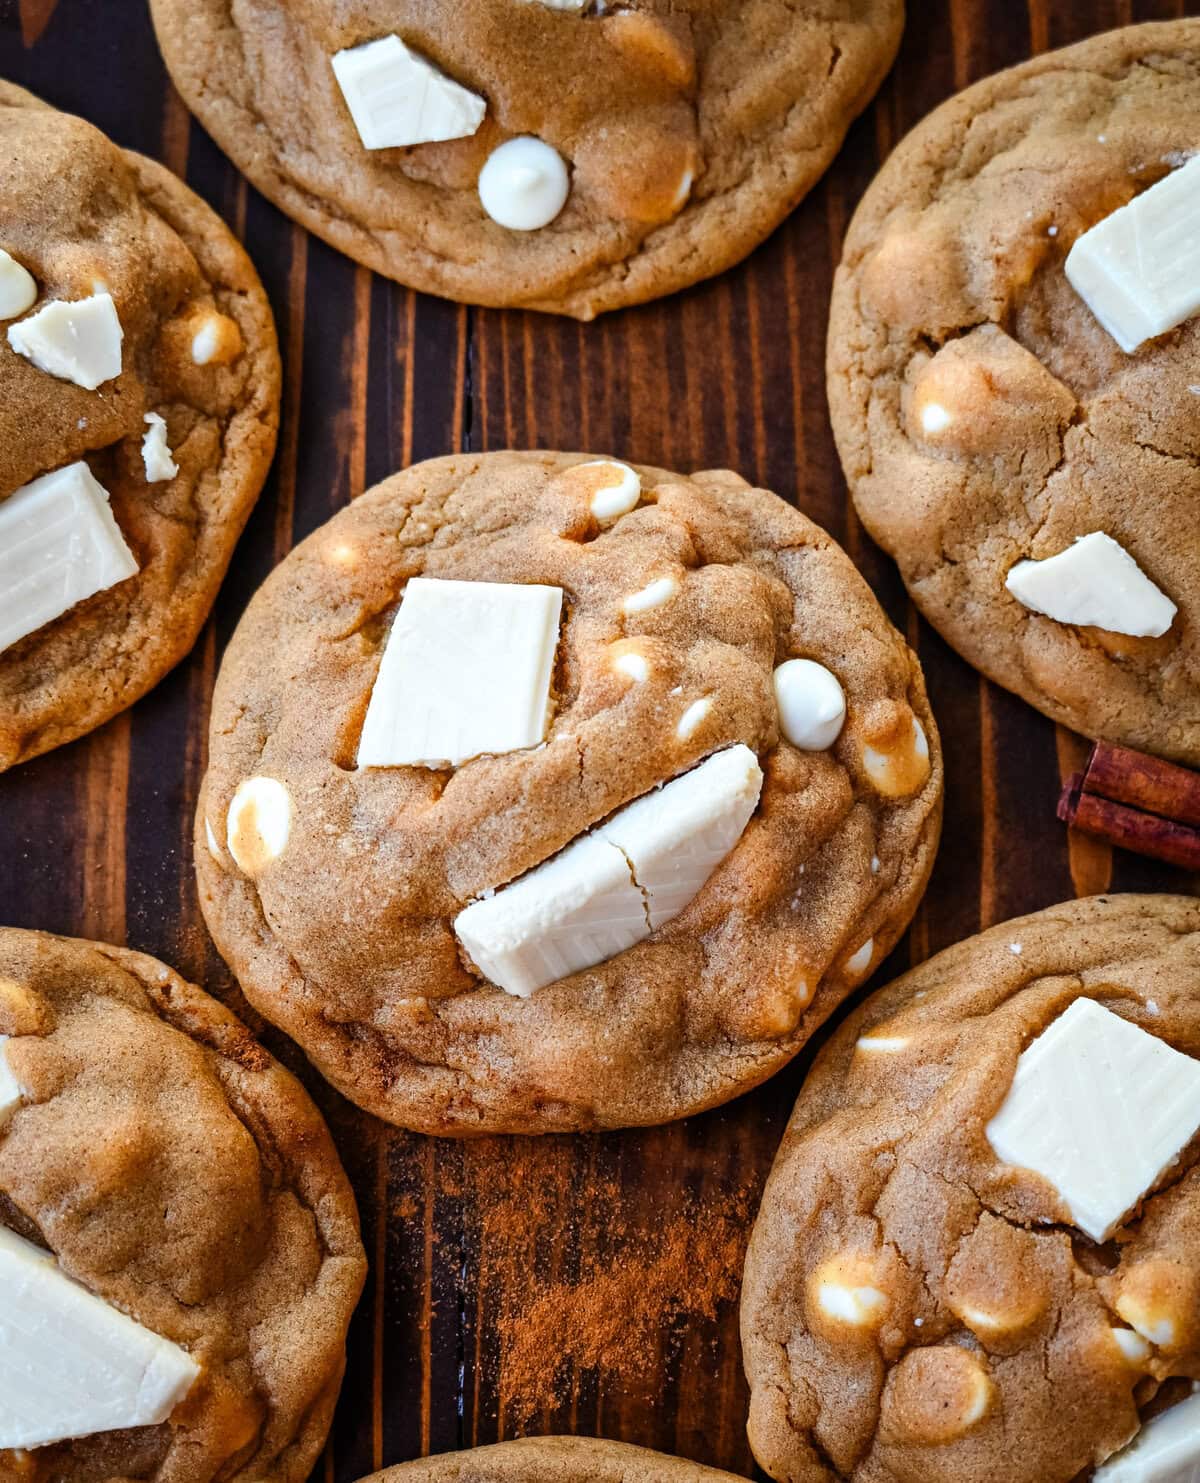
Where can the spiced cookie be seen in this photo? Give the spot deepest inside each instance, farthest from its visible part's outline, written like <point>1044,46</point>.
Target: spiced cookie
<point>140,398</point>
<point>596,826</point>
<point>1014,379</point>
<point>179,1248</point>
<point>553,1460</point>
<point>552,154</point>
<point>978,1253</point>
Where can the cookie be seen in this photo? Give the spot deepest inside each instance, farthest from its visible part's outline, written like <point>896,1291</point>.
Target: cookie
<point>552,1460</point>
<point>978,1252</point>
<point>552,154</point>
<point>1037,482</point>
<point>206,1254</point>
<point>574,634</point>
<point>141,394</point>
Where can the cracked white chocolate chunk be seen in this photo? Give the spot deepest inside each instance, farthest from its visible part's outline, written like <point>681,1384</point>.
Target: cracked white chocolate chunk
<point>811,704</point>
<point>612,887</point>
<point>465,673</point>
<point>76,340</point>
<point>18,291</point>
<point>524,184</point>
<point>1138,270</point>
<point>617,497</point>
<point>1166,1450</point>
<point>156,453</point>
<point>71,1364</point>
<point>59,544</point>
<point>259,824</point>
<point>397,98</point>
<point>1101,1110</point>
<point>10,1087</point>
<point>1094,583</point>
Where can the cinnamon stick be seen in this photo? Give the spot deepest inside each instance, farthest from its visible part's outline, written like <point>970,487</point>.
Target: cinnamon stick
<point>1143,782</point>
<point>1129,828</point>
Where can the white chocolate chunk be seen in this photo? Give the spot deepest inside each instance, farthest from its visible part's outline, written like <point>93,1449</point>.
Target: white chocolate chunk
<point>844,1291</point>
<point>10,1087</point>
<point>693,716</point>
<point>524,184</point>
<point>18,291</point>
<point>1134,1349</point>
<point>1155,1326</point>
<point>59,544</point>
<point>259,824</point>
<point>466,672</point>
<point>854,1305</point>
<point>563,4</point>
<point>611,888</point>
<point>881,1044</point>
<point>935,418</point>
<point>77,340</point>
<point>214,848</point>
<point>156,453</point>
<point>1138,270</point>
<point>811,704</point>
<point>396,97</point>
<point>71,1364</point>
<point>677,835</point>
<point>1101,1110</point>
<point>1094,583</point>
<point>618,498</point>
<point>1166,1450</point>
<point>860,960</point>
<point>653,595</point>
<point>633,665</point>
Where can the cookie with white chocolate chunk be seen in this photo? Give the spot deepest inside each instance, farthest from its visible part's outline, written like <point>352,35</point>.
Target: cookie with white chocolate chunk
<point>179,1247</point>
<point>1014,379</point>
<point>548,792</point>
<point>140,397</point>
<point>567,157</point>
<point>978,1252</point>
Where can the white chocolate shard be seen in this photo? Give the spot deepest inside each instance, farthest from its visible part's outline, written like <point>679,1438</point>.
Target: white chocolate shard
<point>156,452</point>
<point>612,887</point>
<point>59,544</point>
<point>653,595</point>
<point>811,704</point>
<point>10,1087</point>
<point>259,824</point>
<point>1166,1450</point>
<point>524,184</point>
<point>1101,1110</point>
<point>465,673</point>
<point>1094,583</point>
<point>72,1365</point>
<point>1138,270</point>
<point>692,718</point>
<point>397,97</point>
<point>18,291</point>
<point>76,340</point>
<point>613,500</point>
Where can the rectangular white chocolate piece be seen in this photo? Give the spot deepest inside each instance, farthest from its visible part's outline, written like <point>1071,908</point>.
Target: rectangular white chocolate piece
<point>71,1364</point>
<point>59,544</point>
<point>465,672</point>
<point>612,887</point>
<point>396,97</point>
<point>76,340</point>
<point>1138,270</point>
<point>1097,584</point>
<point>1101,1110</point>
<point>1166,1450</point>
<point>675,837</point>
<point>10,1090</point>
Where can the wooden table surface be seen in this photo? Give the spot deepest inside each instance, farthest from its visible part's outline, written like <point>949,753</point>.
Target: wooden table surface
<point>562,1284</point>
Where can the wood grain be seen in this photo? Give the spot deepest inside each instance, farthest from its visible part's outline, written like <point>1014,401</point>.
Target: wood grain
<point>94,839</point>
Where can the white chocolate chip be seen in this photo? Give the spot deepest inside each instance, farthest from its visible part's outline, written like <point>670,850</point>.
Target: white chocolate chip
<point>874,864</point>
<point>524,184</point>
<point>613,500</point>
<point>216,340</point>
<point>633,665</point>
<point>860,961</point>
<point>156,454</point>
<point>1094,583</point>
<point>1157,1328</point>
<point>204,343</point>
<point>398,98</point>
<point>214,849</point>
<point>564,4</point>
<point>902,770</point>
<point>1133,1347</point>
<point>882,1044</point>
<point>18,291</point>
<point>693,716</point>
<point>811,704</point>
<point>653,595</point>
<point>77,340</point>
<point>259,824</point>
<point>935,418</point>
<point>686,181</point>
<point>1015,949</point>
<point>856,1305</point>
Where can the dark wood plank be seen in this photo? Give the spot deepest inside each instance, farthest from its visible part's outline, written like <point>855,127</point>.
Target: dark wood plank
<point>493,1262</point>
